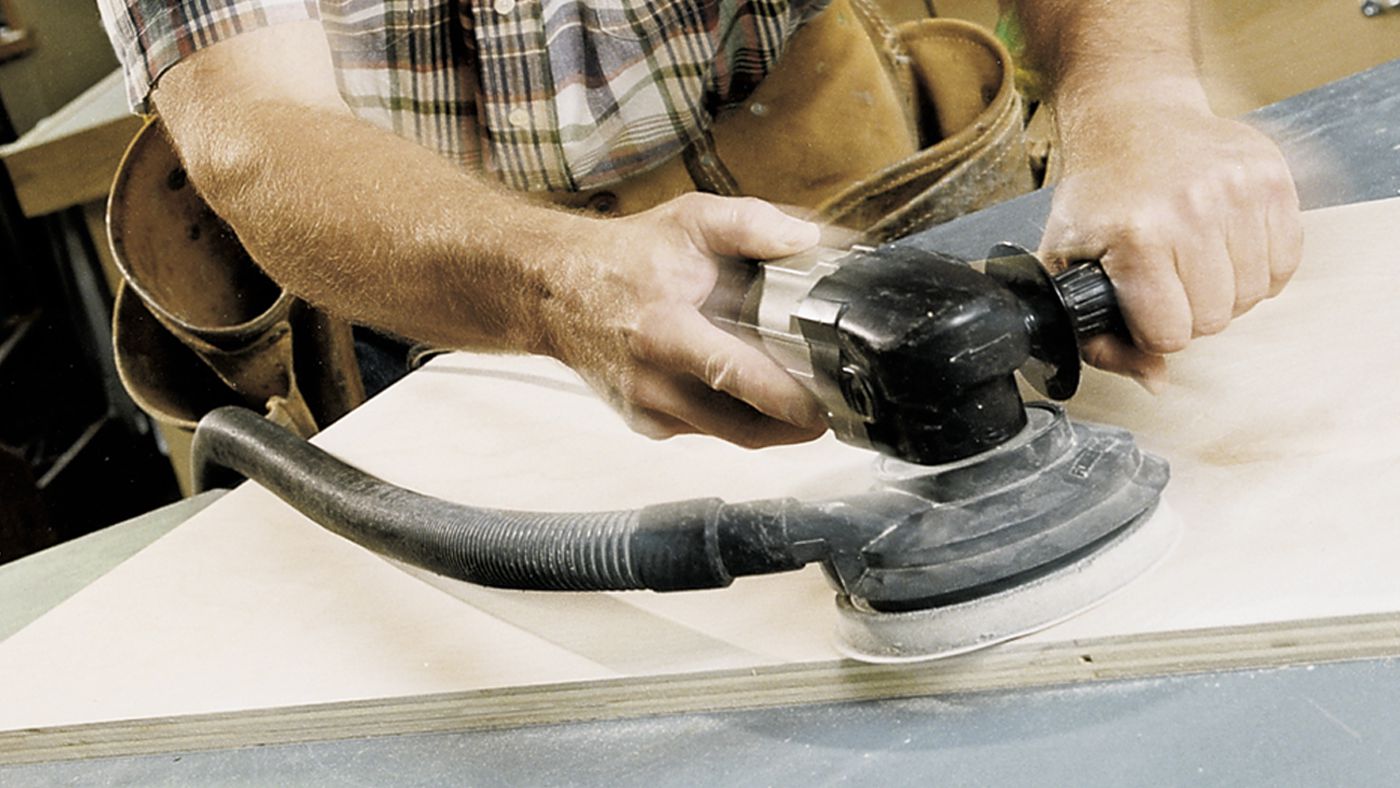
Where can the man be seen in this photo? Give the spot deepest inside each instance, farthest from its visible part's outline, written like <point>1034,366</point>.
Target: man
<point>1194,216</point>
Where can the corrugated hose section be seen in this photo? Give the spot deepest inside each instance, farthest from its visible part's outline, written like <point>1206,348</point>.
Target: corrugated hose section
<point>668,547</point>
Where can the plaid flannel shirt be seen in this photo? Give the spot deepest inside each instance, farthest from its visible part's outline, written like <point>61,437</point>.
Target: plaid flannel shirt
<point>548,94</point>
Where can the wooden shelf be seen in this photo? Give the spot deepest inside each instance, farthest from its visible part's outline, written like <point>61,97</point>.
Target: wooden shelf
<point>14,43</point>
<point>69,158</point>
<point>15,38</point>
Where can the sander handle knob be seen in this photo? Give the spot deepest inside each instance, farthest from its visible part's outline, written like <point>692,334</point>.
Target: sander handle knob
<point>1062,311</point>
<point>1090,300</point>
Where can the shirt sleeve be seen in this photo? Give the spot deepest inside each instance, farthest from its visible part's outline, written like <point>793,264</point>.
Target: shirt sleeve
<point>150,36</point>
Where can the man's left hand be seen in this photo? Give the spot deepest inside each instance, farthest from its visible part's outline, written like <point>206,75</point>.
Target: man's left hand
<point>1194,217</point>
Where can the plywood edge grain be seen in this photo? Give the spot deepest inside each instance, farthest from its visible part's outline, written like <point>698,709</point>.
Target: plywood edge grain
<point>1013,666</point>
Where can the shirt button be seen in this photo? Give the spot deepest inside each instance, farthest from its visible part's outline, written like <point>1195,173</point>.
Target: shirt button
<point>518,118</point>
<point>503,7</point>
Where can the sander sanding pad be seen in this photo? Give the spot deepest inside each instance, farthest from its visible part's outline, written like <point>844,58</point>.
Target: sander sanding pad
<point>939,632</point>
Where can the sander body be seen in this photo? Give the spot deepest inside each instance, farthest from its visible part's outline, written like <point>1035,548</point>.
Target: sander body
<point>992,517</point>
<point>1031,517</point>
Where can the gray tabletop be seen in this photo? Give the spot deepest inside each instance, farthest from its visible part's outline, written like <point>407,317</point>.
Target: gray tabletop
<point>1305,725</point>
<point>1302,726</point>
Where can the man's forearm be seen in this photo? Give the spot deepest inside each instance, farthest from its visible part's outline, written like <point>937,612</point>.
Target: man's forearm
<point>1092,41</point>
<point>1103,57</point>
<point>368,225</point>
<point>379,230</point>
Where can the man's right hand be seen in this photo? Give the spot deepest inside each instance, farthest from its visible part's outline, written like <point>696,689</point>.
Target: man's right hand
<point>624,311</point>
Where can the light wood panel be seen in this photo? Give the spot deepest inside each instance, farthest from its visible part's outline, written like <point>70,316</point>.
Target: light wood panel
<point>1286,460</point>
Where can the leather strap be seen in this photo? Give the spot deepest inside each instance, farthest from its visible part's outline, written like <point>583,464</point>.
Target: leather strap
<point>707,170</point>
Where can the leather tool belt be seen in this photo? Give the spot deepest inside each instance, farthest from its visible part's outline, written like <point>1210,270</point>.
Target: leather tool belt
<point>197,324</point>
<point>883,130</point>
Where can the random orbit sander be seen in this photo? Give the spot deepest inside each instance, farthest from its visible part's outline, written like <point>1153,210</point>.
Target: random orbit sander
<point>993,518</point>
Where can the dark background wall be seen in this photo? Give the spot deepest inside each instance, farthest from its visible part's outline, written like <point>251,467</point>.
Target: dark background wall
<point>70,53</point>
<point>75,453</point>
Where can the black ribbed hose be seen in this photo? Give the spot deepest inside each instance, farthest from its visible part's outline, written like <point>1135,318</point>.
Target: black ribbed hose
<point>702,543</point>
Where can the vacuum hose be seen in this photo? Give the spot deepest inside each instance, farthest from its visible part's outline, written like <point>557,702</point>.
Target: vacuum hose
<point>694,544</point>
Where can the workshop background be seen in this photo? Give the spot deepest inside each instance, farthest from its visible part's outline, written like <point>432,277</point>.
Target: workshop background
<point>76,454</point>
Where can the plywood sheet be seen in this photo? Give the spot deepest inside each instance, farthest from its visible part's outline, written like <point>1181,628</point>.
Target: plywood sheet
<point>1282,434</point>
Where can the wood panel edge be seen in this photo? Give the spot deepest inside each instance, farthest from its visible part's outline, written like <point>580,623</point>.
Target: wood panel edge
<point>1014,666</point>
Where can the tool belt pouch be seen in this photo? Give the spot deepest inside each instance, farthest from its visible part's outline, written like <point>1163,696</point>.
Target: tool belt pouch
<point>197,324</point>
<point>969,118</point>
<point>880,129</point>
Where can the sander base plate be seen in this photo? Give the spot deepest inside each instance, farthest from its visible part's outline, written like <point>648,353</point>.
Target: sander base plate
<point>934,633</point>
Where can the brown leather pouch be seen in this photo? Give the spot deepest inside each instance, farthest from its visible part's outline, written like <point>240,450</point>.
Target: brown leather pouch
<point>882,130</point>
<point>197,324</point>
<point>972,150</point>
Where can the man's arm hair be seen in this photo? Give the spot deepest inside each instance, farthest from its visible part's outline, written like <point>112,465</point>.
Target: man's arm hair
<point>1092,49</point>
<point>1092,36</point>
<point>353,218</point>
